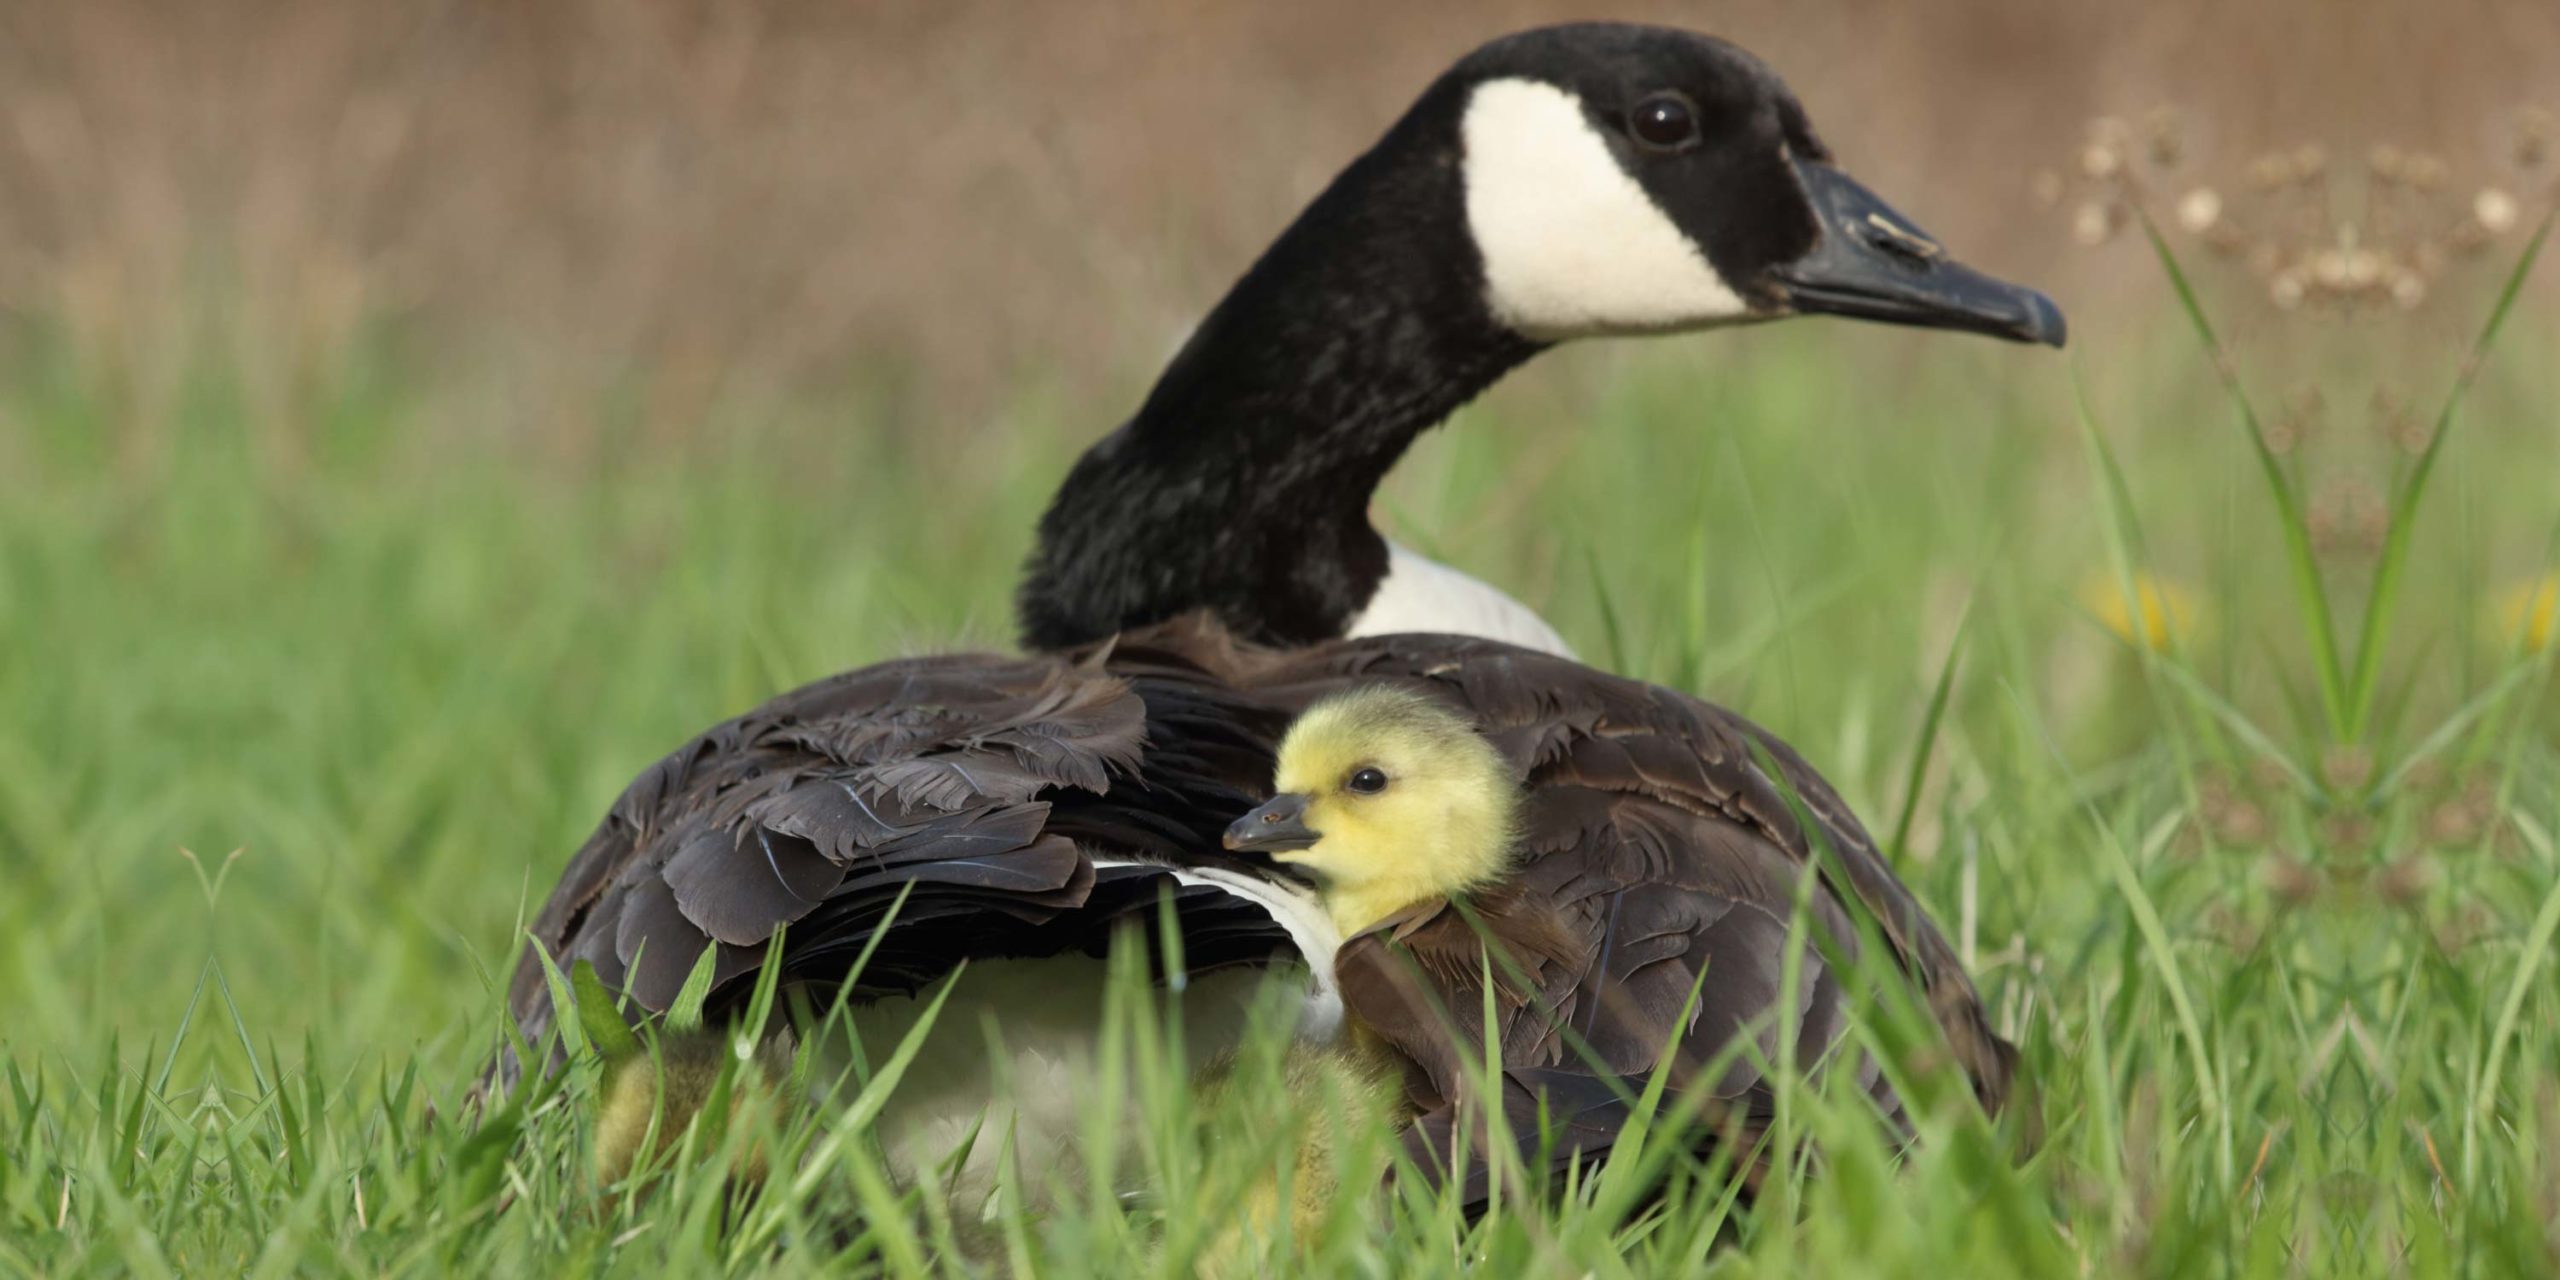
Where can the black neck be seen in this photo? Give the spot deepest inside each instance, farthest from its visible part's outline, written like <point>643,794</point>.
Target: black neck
<point>1243,483</point>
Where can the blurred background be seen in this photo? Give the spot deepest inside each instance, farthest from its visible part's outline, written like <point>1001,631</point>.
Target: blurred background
<point>697,204</point>
<point>416,418</point>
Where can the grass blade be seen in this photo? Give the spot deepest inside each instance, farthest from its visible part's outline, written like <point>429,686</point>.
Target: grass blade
<point>2404,503</point>
<point>2311,590</point>
<point>1930,721</point>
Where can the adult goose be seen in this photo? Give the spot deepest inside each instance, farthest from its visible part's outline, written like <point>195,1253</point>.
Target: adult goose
<point>1563,183</point>
<point>1193,588</point>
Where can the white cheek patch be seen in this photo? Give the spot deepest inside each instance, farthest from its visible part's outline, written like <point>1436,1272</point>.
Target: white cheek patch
<point>1572,245</point>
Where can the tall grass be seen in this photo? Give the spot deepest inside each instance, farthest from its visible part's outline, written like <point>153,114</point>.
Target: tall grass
<point>296,738</point>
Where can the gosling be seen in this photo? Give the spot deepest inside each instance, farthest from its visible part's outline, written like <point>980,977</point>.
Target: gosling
<point>1389,801</point>
<point>649,1100</point>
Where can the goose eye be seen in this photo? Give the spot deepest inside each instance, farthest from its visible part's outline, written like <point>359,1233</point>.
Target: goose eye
<point>1664,122</point>
<point>1366,781</point>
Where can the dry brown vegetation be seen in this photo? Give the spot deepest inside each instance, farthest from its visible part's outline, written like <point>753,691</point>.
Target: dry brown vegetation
<point>721,199</point>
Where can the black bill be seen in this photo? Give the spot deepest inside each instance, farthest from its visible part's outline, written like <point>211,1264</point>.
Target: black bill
<point>1279,826</point>
<point>1874,264</point>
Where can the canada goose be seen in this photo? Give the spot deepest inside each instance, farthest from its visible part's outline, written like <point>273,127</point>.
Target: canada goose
<point>1576,180</point>
<point>1561,183</point>
<point>1032,807</point>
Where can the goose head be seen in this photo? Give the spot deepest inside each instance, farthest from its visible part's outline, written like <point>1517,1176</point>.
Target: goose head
<point>1627,179</point>
<point>1388,800</point>
<point>1563,183</point>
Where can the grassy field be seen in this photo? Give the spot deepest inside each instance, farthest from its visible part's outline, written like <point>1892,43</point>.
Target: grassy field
<point>299,724</point>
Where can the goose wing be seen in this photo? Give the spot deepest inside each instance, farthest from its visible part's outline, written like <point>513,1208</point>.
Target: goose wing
<point>973,784</point>
<point>1665,839</point>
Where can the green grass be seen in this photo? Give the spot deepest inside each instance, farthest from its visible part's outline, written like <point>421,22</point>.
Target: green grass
<point>2272,919</point>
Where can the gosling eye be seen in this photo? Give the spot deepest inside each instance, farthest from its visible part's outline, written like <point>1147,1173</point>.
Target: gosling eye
<point>1367,780</point>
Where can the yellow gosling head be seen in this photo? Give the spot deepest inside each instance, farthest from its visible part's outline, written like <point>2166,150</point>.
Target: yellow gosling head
<point>1390,800</point>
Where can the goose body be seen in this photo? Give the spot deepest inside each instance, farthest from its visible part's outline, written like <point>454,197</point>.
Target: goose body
<point>1653,845</point>
<point>1209,569</point>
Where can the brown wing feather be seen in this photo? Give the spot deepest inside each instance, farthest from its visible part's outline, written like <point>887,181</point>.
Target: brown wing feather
<point>837,796</point>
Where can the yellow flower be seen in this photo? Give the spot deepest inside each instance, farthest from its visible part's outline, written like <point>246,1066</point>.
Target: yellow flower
<point>2167,610</point>
<point>2528,611</point>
